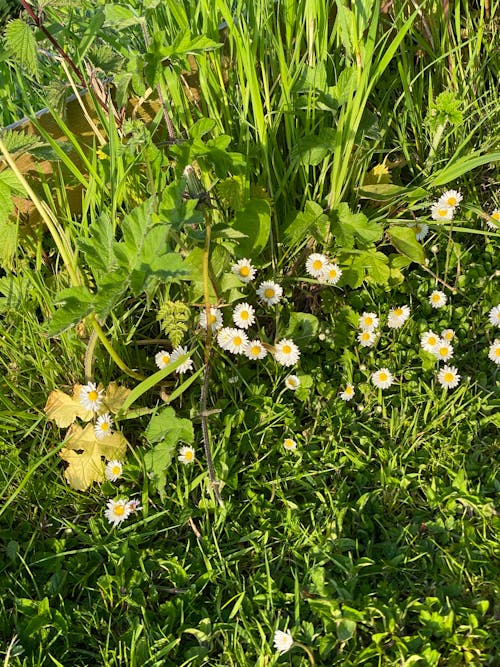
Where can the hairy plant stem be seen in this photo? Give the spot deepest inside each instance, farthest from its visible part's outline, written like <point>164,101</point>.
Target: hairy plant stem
<point>208,350</point>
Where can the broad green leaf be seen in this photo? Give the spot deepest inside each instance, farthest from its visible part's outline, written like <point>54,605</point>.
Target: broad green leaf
<point>302,327</point>
<point>303,222</point>
<point>119,17</point>
<point>254,220</point>
<point>165,426</point>
<point>157,460</point>
<point>383,191</point>
<point>346,629</point>
<point>202,127</point>
<point>404,240</point>
<point>98,249</point>
<point>8,243</point>
<point>77,303</point>
<point>312,149</point>
<point>349,227</point>
<point>20,43</point>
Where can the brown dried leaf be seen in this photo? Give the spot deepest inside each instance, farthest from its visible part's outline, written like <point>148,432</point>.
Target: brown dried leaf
<point>84,452</point>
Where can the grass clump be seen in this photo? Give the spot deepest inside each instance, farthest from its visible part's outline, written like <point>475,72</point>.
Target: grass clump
<point>249,336</point>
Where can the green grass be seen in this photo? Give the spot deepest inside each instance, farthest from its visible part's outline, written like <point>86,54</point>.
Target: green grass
<point>376,542</point>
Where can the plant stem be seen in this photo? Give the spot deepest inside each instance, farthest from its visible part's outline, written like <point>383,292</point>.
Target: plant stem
<point>111,351</point>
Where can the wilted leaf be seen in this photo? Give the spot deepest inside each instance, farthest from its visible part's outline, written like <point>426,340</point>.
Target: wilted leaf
<point>115,397</point>
<point>64,409</point>
<point>84,453</point>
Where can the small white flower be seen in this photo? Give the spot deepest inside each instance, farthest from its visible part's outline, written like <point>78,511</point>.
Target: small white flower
<point>117,511</point>
<point>421,230</point>
<point>496,217</point>
<point>91,397</point>
<point>382,379</point>
<point>186,455</point>
<point>289,444</point>
<point>366,338</point>
<point>397,317</point>
<point>437,299</point>
<point>232,340</point>
<point>244,270</point>
<point>494,316</point>
<point>215,318</point>
<point>162,359</point>
<point>134,505</point>
<point>270,292</point>
<point>448,335</point>
<point>244,315</point>
<point>450,198</point>
<point>113,470</point>
<point>368,321</point>
<point>255,350</point>
<point>292,382</point>
<point>443,350</point>
<point>103,426</point>
<point>442,211</point>
<point>177,352</point>
<point>348,393</point>
<point>494,351</point>
<point>428,341</point>
<point>331,274</point>
<point>448,377</point>
<point>286,352</point>
<point>283,641</point>
<point>315,264</point>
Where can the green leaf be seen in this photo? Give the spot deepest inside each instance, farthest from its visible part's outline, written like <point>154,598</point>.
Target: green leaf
<point>302,223</point>
<point>77,303</point>
<point>404,240</point>
<point>302,326</point>
<point>312,149</point>
<point>165,426</point>
<point>98,249</point>
<point>346,629</point>
<point>456,168</point>
<point>254,220</point>
<point>383,191</point>
<point>119,17</point>
<point>8,245</point>
<point>20,43</point>
<point>348,227</point>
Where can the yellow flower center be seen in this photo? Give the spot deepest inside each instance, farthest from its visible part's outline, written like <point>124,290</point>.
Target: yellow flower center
<point>496,216</point>
<point>237,340</point>
<point>497,352</point>
<point>188,455</point>
<point>383,377</point>
<point>317,264</point>
<point>349,391</point>
<point>289,443</point>
<point>366,335</point>
<point>449,377</point>
<point>431,340</point>
<point>332,273</point>
<point>212,318</point>
<point>104,426</point>
<point>166,358</point>
<point>93,395</point>
<point>452,201</point>
<point>244,315</point>
<point>443,351</point>
<point>116,470</point>
<point>244,271</point>
<point>119,509</point>
<point>255,350</point>
<point>269,293</point>
<point>286,349</point>
<point>368,321</point>
<point>398,312</point>
<point>443,212</point>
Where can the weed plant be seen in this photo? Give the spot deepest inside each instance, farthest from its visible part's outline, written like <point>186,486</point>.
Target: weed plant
<point>250,348</point>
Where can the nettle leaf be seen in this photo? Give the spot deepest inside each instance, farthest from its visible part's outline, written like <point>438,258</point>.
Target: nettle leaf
<point>312,149</point>
<point>119,17</point>
<point>404,240</point>
<point>20,43</point>
<point>254,221</point>
<point>76,303</point>
<point>85,453</point>
<point>167,430</point>
<point>8,245</point>
<point>177,211</point>
<point>349,227</point>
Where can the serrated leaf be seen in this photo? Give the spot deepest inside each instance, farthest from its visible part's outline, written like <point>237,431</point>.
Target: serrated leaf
<point>312,149</point>
<point>64,409</point>
<point>20,43</point>
<point>17,141</point>
<point>349,227</point>
<point>84,453</point>
<point>404,240</point>
<point>119,17</point>
<point>114,397</point>
<point>165,426</point>
<point>254,220</point>
<point>98,249</point>
<point>76,303</point>
<point>301,224</point>
<point>8,244</point>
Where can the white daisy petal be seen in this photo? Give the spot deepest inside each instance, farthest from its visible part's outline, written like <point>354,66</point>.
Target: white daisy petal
<point>382,379</point>
<point>316,264</point>
<point>286,352</point>
<point>244,315</point>
<point>91,397</point>
<point>448,377</point>
<point>117,511</point>
<point>438,299</point>
<point>244,270</point>
<point>494,351</point>
<point>113,470</point>
<point>270,292</point>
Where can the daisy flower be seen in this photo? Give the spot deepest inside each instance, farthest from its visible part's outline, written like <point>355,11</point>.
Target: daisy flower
<point>448,377</point>
<point>289,444</point>
<point>244,315</point>
<point>186,455</point>
<point>366,338</point>
<point>270,292</point>
<point>283,641</point>
<point>368,321</point>
<point>103,426</point>
<point>331,274</point>
<point>214,318</point>
<point>443,351</point>
<point>286,352</point>
<point>316,264</point>
<point>421,230</point>
<point>91,397</point>
<point>255,350</point>
<point>437,299</point>
<point>117,511</point>
<point>494,316</point>
<point>448,335</point>
<point>134,505</point>
<point>494,351</point>
<point>496,217</point>
<point>348,393</point>
<point>397,317</point>
<point>232,340</point>
<point>382,379</point>
<point>450,198</point>
<point>442,211</point>
<point>244,270</point>
<point>162,359</point>
<point>177,352</point>
<point>292,382</point>
<point>428,341</point>
<point>113,470</point>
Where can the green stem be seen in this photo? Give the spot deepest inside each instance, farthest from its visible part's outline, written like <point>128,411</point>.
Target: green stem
<point>111,351</point>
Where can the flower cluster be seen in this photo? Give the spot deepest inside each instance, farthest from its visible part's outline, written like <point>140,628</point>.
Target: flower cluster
<point>444,208</point>
<point>163,358</point>
<point>319,266</point>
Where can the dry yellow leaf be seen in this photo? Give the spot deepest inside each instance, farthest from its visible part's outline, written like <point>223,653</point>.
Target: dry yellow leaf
<point>114,397</point>
<point>64,409</point>
<point>84,453</point>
